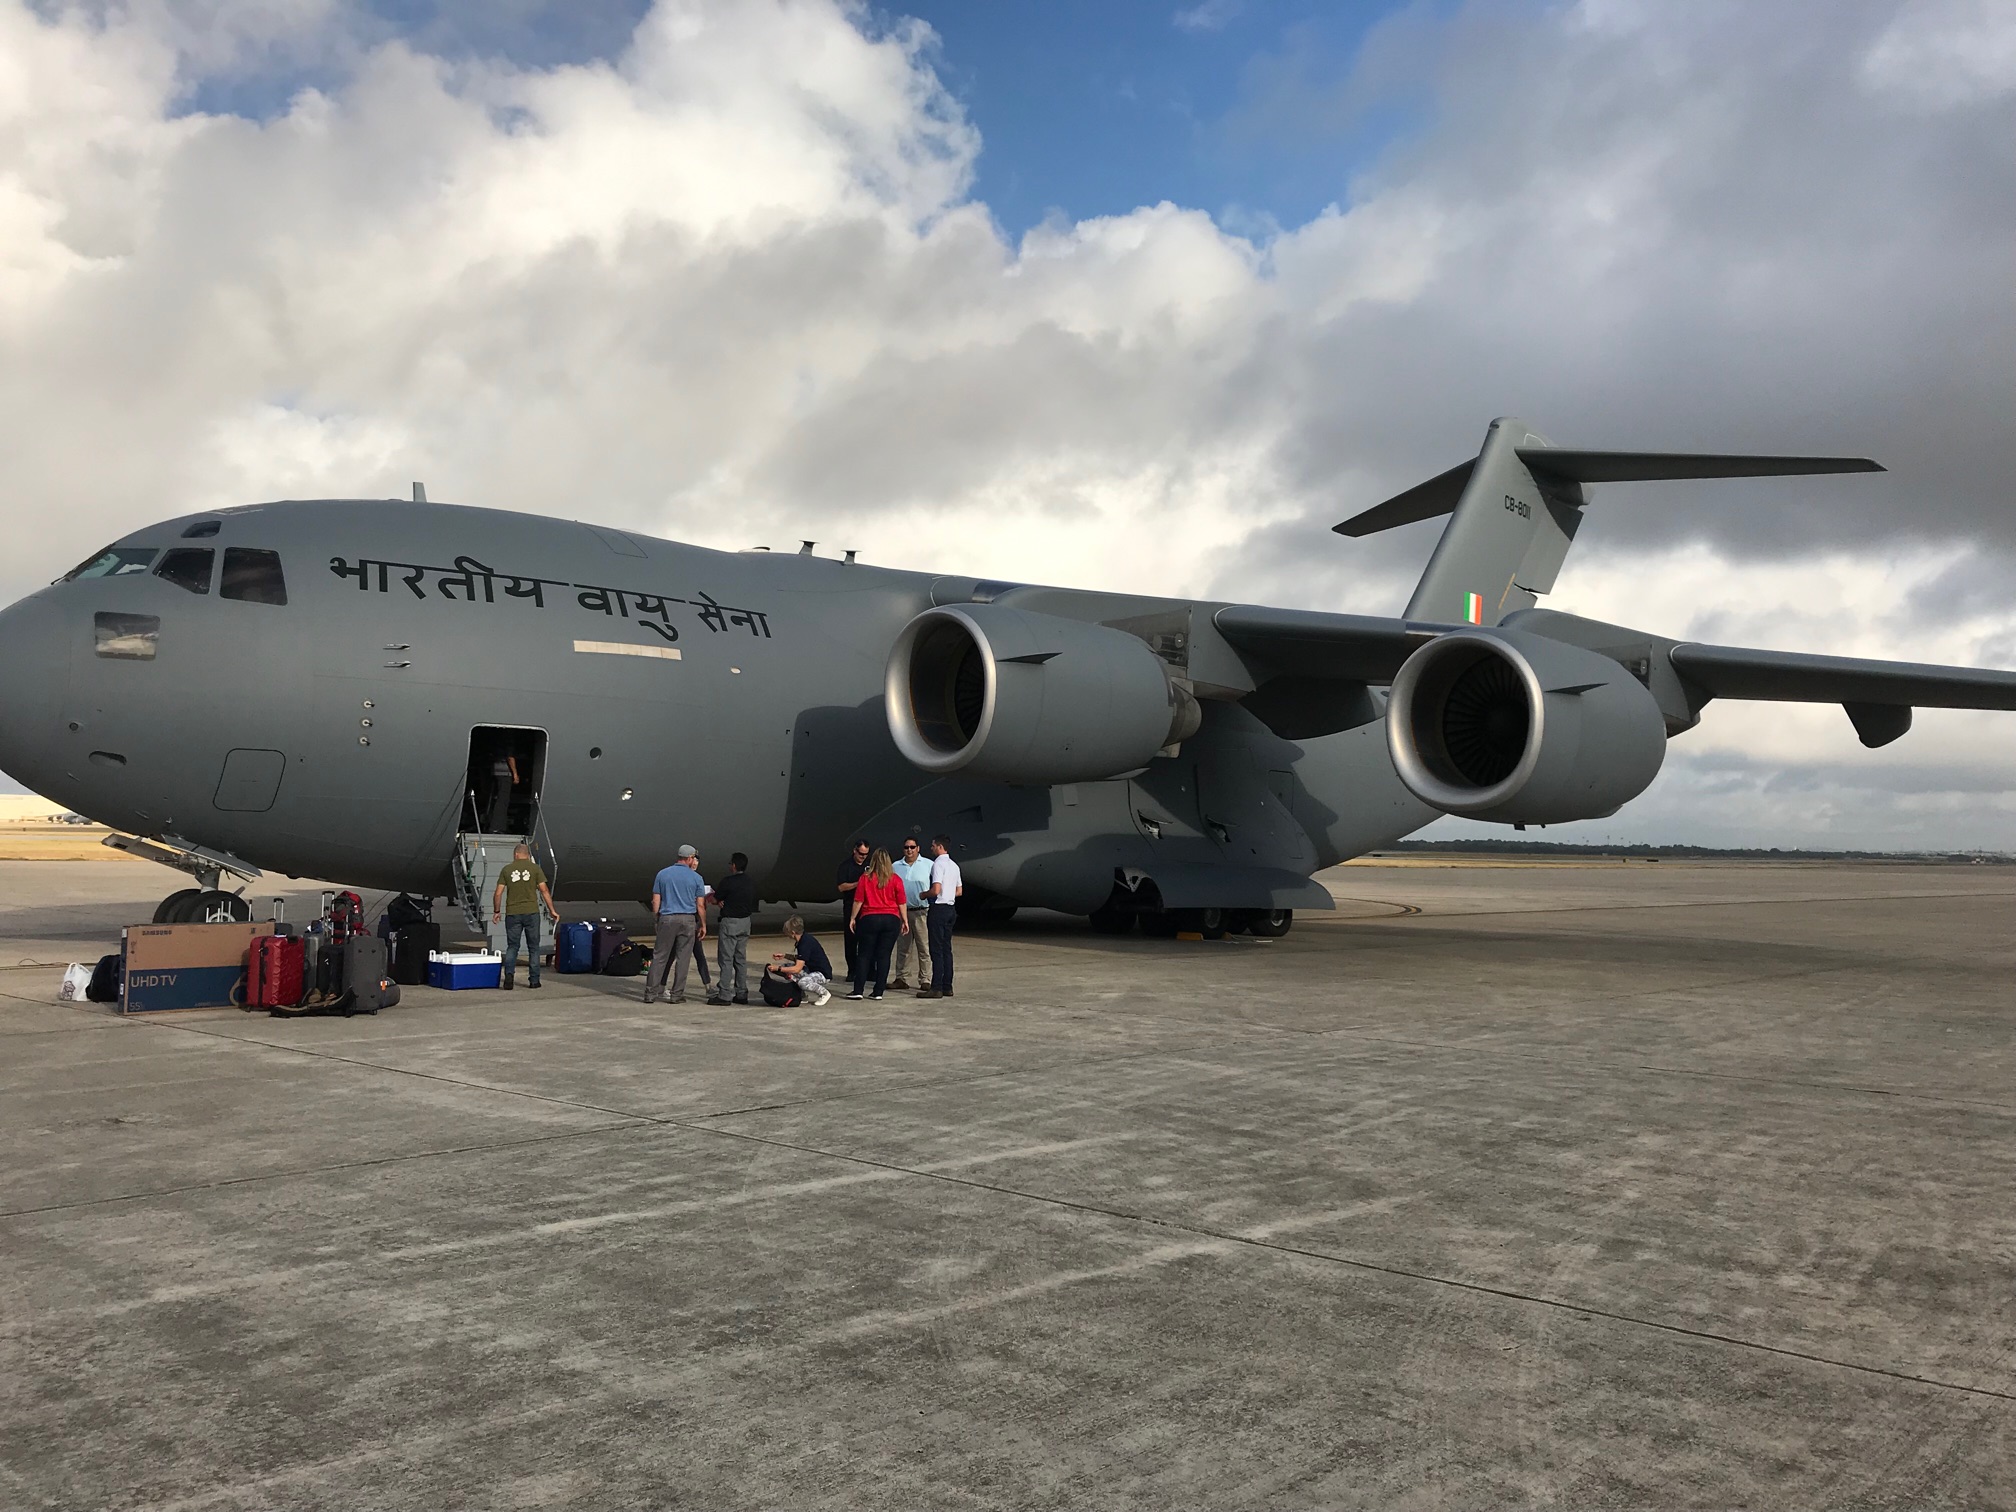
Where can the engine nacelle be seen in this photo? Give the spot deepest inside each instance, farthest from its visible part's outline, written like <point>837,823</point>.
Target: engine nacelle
<point>996,692</point>
<point>1516,728</point>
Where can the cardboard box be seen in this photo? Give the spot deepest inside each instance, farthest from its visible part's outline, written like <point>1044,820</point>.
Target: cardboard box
<point>186,965</point>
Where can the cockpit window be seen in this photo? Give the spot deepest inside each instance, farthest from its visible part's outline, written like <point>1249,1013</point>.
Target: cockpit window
<point>253,576</point>
<point>113,561</point>
<point>127,637</point>
<point>187,567</point>
<point>202,528</point>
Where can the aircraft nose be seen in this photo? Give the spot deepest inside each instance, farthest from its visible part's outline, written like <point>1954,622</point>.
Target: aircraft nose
<point>34,664</point>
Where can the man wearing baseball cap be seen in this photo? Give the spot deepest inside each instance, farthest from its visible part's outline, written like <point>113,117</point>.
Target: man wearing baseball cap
<point>675,899</point>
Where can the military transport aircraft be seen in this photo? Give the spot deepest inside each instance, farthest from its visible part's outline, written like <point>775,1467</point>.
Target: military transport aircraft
<point>389,693</point>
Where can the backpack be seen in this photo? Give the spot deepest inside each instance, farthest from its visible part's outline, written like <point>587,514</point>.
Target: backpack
<point>780,991</point>
<point>105,979</point>
<point>627,960</point>
<point>346,915</point>
<point>407,909</point>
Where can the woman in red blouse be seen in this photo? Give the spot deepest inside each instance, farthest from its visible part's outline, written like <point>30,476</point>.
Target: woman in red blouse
<point>876,917</point>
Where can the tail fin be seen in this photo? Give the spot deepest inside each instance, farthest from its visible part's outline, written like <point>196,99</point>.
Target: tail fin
<point>1516,508</point>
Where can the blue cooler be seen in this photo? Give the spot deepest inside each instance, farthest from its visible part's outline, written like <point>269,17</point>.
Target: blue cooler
<point>460,973</point>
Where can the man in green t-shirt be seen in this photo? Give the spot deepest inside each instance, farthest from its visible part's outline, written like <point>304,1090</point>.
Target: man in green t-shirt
<point>521,890</point>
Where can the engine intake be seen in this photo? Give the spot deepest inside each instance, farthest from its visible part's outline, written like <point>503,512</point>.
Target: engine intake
<point>1506,726</point>
<point>996,692</point>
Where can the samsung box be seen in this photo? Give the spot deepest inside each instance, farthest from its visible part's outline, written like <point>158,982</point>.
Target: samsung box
<point>186,965</point>
<point>460,972</point>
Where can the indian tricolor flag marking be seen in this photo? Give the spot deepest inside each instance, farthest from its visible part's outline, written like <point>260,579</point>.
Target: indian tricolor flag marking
<point>1473,608</point>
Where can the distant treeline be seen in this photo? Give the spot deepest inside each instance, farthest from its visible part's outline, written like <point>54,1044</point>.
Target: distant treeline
<point>1677,852</point>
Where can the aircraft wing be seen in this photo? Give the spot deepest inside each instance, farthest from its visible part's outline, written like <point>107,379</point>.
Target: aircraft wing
<point>1794,677</point>
<point>1877,695</point>
<point>1309,643</point>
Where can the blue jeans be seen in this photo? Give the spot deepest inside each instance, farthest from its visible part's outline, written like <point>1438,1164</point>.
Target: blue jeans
<point>523,927</point>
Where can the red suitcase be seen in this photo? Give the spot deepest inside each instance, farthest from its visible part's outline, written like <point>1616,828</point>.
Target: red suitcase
<point>274,971</point>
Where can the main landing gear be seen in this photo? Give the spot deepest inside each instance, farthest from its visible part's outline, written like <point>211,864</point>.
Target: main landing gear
<point>1212,923</point>
<point>206,903</point>
<point>202,905</point>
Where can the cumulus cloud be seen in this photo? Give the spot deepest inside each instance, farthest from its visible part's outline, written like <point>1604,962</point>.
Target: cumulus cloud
<point>728,283</point>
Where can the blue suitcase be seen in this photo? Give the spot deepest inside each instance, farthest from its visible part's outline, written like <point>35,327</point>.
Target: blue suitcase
<point>574,946</point>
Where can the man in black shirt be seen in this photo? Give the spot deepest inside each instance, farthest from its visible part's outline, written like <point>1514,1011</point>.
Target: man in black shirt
<point>850,874</point>
<point>736,893</point>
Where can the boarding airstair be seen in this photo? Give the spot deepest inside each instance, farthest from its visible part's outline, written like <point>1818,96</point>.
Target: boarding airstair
<point>480,859</point>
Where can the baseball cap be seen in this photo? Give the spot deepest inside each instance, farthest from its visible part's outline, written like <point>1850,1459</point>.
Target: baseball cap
<point>687,853</point>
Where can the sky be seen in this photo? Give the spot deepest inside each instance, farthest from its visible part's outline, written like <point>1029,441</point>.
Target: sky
<point>1129,295</point>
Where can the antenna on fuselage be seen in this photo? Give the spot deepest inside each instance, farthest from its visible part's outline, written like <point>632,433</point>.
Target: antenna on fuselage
<point>805,547</point>
<point>850,556</point>
<point>419,493</point>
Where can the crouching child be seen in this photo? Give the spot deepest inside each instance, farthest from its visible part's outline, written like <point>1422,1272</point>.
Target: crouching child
<point>806,971</point>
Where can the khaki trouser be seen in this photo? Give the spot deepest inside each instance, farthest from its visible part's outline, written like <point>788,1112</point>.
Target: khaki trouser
<point>915,939</point>
<point>676,933</point>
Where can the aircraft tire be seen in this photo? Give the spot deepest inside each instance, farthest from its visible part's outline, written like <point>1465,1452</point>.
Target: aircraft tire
<point>168,907</point>
<point>1111,921</point>
<point>188,911</point>
<point>1268,923</point>
<point>217,908</point>
<point>1212,922</point>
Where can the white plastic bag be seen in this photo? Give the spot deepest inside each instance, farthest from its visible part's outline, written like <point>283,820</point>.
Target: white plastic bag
<point>76,979</point>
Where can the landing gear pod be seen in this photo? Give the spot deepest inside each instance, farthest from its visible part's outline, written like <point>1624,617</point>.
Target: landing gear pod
<point>999,693</point>
<point>1499,725</point>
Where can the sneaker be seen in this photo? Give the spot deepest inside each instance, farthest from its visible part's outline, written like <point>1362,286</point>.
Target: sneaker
<point>930,992</point>
<point>823,999</point>
<point>741,1000</point>
<point>899,982</point>
<point>874,997</point>
<point>853,997</point>
<point>535,983</point>
<point>506,984</point>
<point>679,999</point>
<point>649,999</point>
<point>716,1002</point>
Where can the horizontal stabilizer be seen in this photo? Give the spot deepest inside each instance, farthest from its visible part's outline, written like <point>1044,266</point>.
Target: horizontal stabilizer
<point>1792,677</point>
<point>1424,501</point>
<point>1561,464</point>
<point>1645,467</point>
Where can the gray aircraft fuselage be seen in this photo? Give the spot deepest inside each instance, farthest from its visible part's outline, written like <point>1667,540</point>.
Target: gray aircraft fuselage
<point>330,736</point>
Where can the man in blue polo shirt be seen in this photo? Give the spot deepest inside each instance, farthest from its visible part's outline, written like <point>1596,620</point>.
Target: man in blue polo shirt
<point>675,899</point>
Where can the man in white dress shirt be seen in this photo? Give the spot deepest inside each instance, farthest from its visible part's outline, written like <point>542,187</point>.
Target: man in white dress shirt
<point>943,893</point>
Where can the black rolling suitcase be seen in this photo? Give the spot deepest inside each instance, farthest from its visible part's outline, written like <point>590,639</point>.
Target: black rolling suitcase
<point>609,938</point>
<point>364,975</point>
<point>411,946</point>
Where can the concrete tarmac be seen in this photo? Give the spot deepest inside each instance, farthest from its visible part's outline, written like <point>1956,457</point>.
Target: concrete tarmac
<point>1586,1186</point>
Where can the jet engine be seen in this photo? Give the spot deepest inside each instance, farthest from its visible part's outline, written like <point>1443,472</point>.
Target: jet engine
<point>1003,694</point>
<point>1512,727</point>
